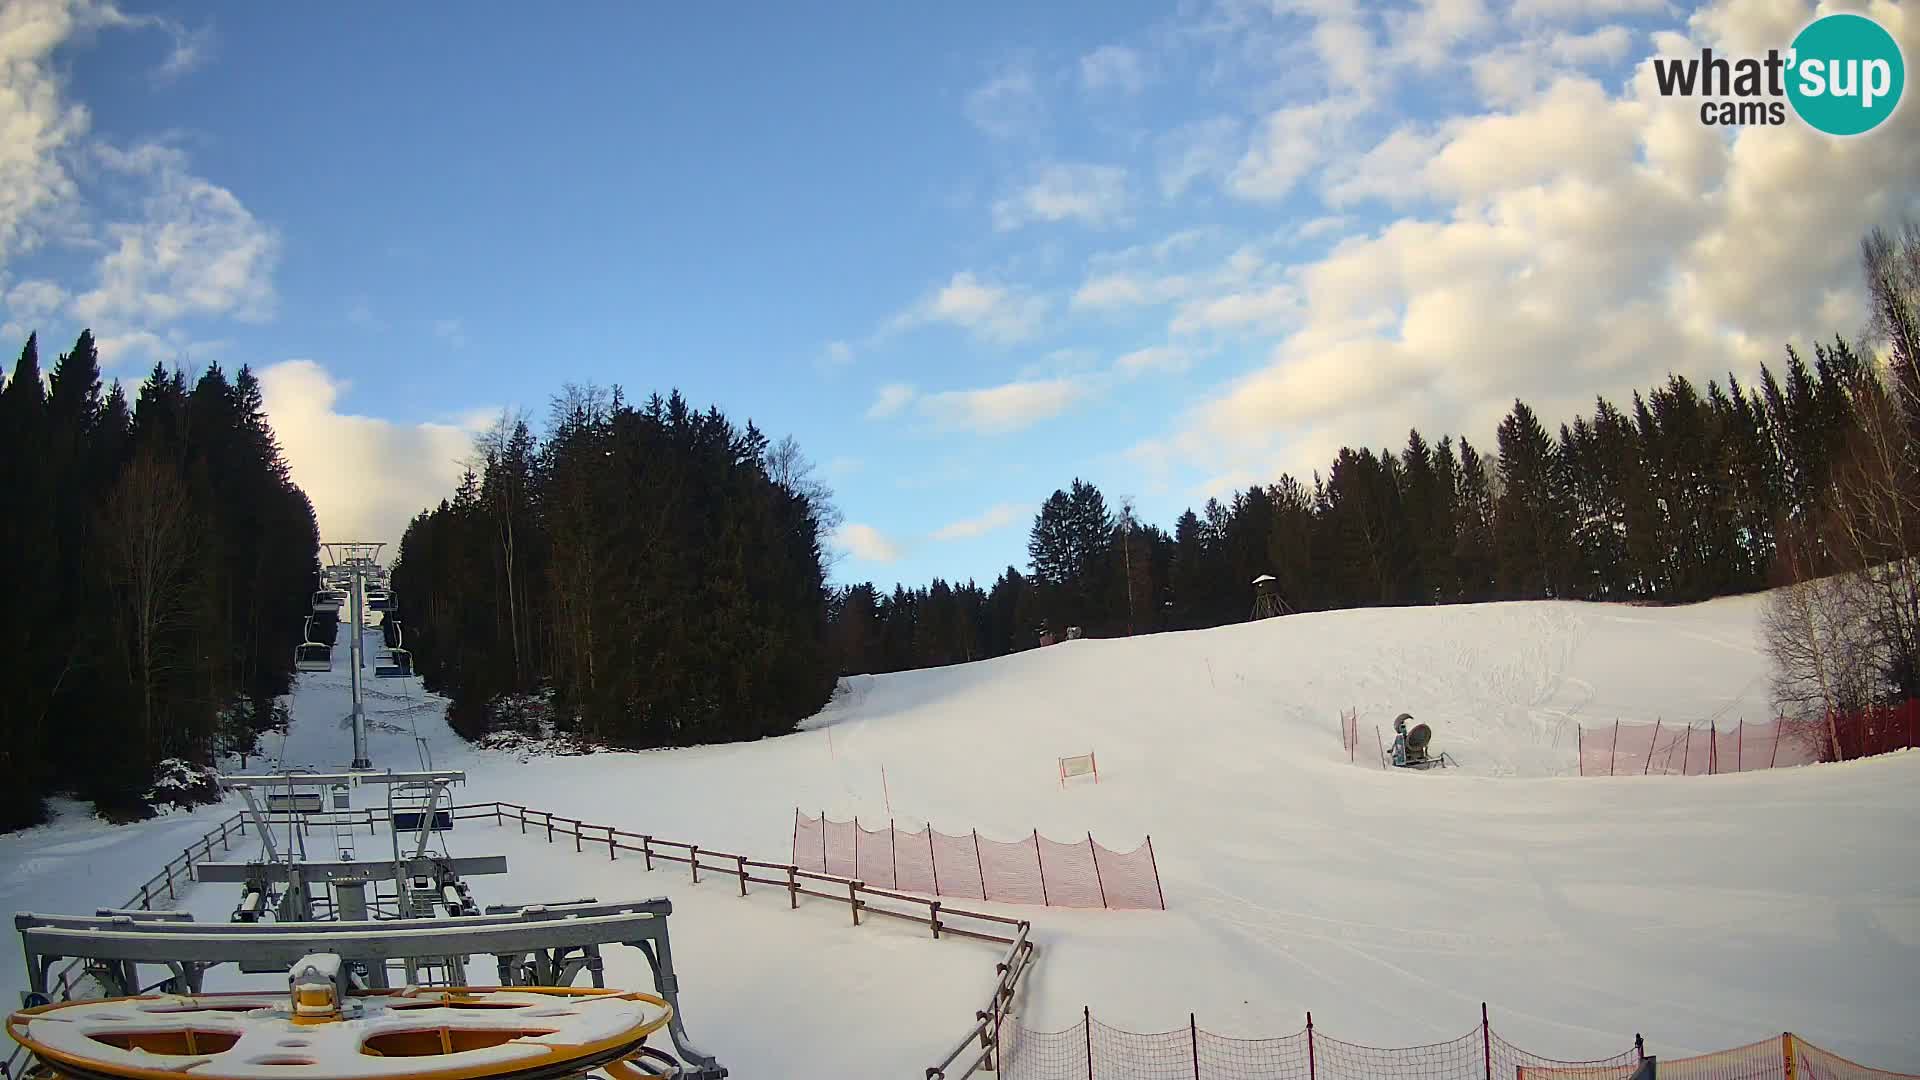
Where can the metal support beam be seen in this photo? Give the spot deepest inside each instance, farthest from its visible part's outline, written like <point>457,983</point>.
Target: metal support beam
<point>231,873</point>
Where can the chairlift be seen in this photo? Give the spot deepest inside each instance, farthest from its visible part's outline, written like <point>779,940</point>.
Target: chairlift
<point>326,601</point>
<point>399,665</point>
<point>313,656</point>
<point>379,601</point>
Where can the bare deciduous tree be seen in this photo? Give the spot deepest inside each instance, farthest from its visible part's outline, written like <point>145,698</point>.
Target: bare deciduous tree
<point>150,537</point>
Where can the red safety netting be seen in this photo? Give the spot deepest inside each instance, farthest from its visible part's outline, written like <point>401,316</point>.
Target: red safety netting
<point>1032,870</point>
<point>1091,1050</point>
<point>1698,750</point>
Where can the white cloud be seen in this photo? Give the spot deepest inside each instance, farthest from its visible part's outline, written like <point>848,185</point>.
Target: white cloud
<point>837,354</point>
<point>1570,10</point>
<point>1113,68</point>
<point>1293,141</point>
<point>1094,195</point>
<point>36,125</point>
<point>1386,172</point>
<point>1271,308</point>
<point>1512,74</point>
<point>890,400</point>
<point>997,517</point>
<point>1172,359</point>
<point>1427,36</point>
<point>191,50</point>
<point>35,298</point>
<point>867,542</point>
<point>195,251</point>
<point>1584,242</point>
<point>1010,407</point>
<point>1008,104</point>
<point>332,454</point>
<point>1206,149</point>
<point>991,311</point>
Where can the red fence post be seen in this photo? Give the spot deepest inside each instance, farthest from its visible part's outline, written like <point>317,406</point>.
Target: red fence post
<point>1086,1022</point>
<point>1644,769</point>
<point>1193,1034</point>
<point>1043,869</point>
<point>1713,748</point>
<point>823,839</point>
<point>1312,1072</point>
<point>980,867</point>
<point>1151,861</point>
<point>1687,753</point>
<point>1777,728</point>
<point>1091,851</point>
<point>1486,1039</point>
<point>893,852</point>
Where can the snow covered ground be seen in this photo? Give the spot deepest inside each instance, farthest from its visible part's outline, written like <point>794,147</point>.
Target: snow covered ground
<point>1704,912</point>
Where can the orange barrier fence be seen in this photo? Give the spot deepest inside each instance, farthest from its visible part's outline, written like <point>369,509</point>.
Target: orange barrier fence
<point>1032,870</point>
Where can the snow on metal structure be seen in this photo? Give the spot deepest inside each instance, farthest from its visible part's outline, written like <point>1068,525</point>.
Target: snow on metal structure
<point>345,931</point>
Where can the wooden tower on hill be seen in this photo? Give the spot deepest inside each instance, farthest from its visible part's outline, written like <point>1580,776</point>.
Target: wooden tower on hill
<point>1266,598</point>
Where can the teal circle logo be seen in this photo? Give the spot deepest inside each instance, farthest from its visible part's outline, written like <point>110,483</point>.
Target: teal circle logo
<point>1846,74</point>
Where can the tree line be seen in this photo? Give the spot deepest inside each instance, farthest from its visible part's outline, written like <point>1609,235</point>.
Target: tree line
<point>655,571</point>
<point>158,560</point>
<point>1680,494</point>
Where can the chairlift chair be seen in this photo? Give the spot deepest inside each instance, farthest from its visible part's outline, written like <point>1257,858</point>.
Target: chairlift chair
<point>313,656</point>
<point>327,601</point>
<point>399,665</point>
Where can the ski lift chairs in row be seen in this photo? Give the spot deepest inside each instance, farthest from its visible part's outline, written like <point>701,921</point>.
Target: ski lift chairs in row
<point>311,655</point>
<point>379,600</point>
<point>399,665</point>
<point>328,601</point>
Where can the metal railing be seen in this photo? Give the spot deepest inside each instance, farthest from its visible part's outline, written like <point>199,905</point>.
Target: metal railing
<point>940,917</point>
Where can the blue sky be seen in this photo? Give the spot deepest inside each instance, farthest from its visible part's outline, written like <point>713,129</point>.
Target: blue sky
<point>963,254</point>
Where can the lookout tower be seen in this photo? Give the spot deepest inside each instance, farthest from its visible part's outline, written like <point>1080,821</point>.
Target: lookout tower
<point>1266,598</point>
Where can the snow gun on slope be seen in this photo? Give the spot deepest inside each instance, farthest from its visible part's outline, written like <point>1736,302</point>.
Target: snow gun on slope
<point>1413,749</point>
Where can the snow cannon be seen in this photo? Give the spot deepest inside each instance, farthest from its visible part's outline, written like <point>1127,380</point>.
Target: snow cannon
<point>1419,738</point>
<point>324,1030</point>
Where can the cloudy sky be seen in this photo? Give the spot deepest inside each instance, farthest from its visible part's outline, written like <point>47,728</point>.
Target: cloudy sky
<point>964,253</point>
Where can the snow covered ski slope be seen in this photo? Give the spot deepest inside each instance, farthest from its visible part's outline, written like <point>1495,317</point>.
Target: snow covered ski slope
<point>1704,912</point>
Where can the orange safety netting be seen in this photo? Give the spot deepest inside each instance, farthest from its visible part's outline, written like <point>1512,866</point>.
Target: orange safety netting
<point>1661,748</point>
<point>1091,1050</point>
<point>1033,870</point>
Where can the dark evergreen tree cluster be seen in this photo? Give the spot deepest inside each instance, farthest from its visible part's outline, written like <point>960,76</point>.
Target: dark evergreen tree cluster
<point>657,570</point>
<point>159,561</point>
<point>1680,496</point>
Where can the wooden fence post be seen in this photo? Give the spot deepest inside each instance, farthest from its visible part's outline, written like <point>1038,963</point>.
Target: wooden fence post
<point>693,860</point>
<point>742,861</point>
<point>1193,1036</point>
<point>1312,1070</point>
<point>793,889</point>
<point>1095,854</point>
<point>853,900</point>
<point>1086,1022</point>
<point>1155,863</point>
<point>646,850</point>
<point>796,837</point>
<point>578,827</point>
<point>893,852</point>
<point>1613,755</point>
<point>980,866</point>
<point>610,855</point>
<point>1486,1039</point>
<point>1644,769</point>
<point>931,861</point>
